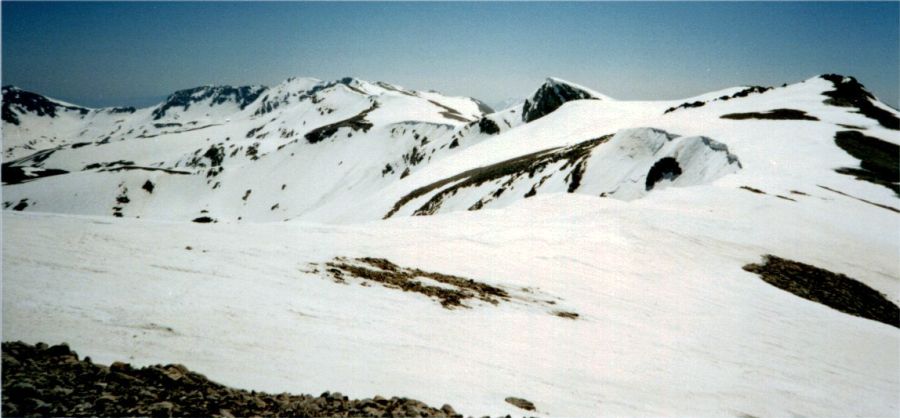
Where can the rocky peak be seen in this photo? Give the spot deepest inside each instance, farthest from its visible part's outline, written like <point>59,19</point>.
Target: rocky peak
<point>217,95</point>
<point>551,95</point>
<point>16,100</point>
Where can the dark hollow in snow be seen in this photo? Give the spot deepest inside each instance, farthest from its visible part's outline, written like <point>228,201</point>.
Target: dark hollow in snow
<point>41,380</point>
<point>204,220</point>
<point>775,114</point>
<point>148,186</point>
<point>665,169</point>
<point>879,160</point>
<point>452,294</point>
<point>354,123</point>
<point>834,290</point>
<point>850,93</point>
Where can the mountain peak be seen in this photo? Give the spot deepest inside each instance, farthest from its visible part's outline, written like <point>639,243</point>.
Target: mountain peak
<point>552,94</point>
<point>17,101</point>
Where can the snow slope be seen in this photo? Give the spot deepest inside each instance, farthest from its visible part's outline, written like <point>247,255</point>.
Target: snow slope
<point>636,216</point>
<point>669,322</point>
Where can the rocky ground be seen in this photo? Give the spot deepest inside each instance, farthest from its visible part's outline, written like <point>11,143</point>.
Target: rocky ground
<point>834,290</point>
<point>42,380</point>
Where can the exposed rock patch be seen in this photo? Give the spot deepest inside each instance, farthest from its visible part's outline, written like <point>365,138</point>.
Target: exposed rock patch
<point>743,93</point>
<point>520,403</point>
<point>850,93</point>
<point>753,190</point>
<point>879,160</point>
<point>488,126</point>
<point>242,96</point>
<point>775,114</point>
<point>834,290</point>
<point>28,102</point>
<point>552,94</point>
<point>52,381</point>
<point>354,123</point>
<point>451,291</point>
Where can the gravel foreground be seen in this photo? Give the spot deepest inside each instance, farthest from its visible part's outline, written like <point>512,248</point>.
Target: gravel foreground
<point>42,380</point>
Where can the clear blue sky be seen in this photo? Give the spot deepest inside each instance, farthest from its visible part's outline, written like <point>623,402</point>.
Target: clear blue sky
<point>100,54</point>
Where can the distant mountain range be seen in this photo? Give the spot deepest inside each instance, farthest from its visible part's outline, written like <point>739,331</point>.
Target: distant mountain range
<point>349,149</point>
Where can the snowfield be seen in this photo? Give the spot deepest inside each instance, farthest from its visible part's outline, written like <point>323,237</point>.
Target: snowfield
<point>631,218</point>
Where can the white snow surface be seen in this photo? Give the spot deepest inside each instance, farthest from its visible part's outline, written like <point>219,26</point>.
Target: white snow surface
<point>669,322</point>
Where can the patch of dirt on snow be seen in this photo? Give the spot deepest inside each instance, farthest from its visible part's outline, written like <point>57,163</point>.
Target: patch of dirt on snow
<point>40,380</point>
<point>454,291</point>
<point>448,290</point>
<point>834,290</point>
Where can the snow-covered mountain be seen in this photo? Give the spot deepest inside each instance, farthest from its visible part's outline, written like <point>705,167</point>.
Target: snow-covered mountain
<point>594,256</point>
<point>350,150</point>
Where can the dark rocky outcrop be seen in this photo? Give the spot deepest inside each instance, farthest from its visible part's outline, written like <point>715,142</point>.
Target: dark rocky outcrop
<point>488,126</point>
<point>743,93</point>
<point>41,380</point>
<point>242,96</point>
<point>354,123</point>
<point>879,160</point>
<point>28,102</point>
<point>834,290</point>
<point>520,403</point>
<point>850,93</point>
<point>775,114</point>
<point>128,109</point>
<point>686,105</point>
<point>550,97</point>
